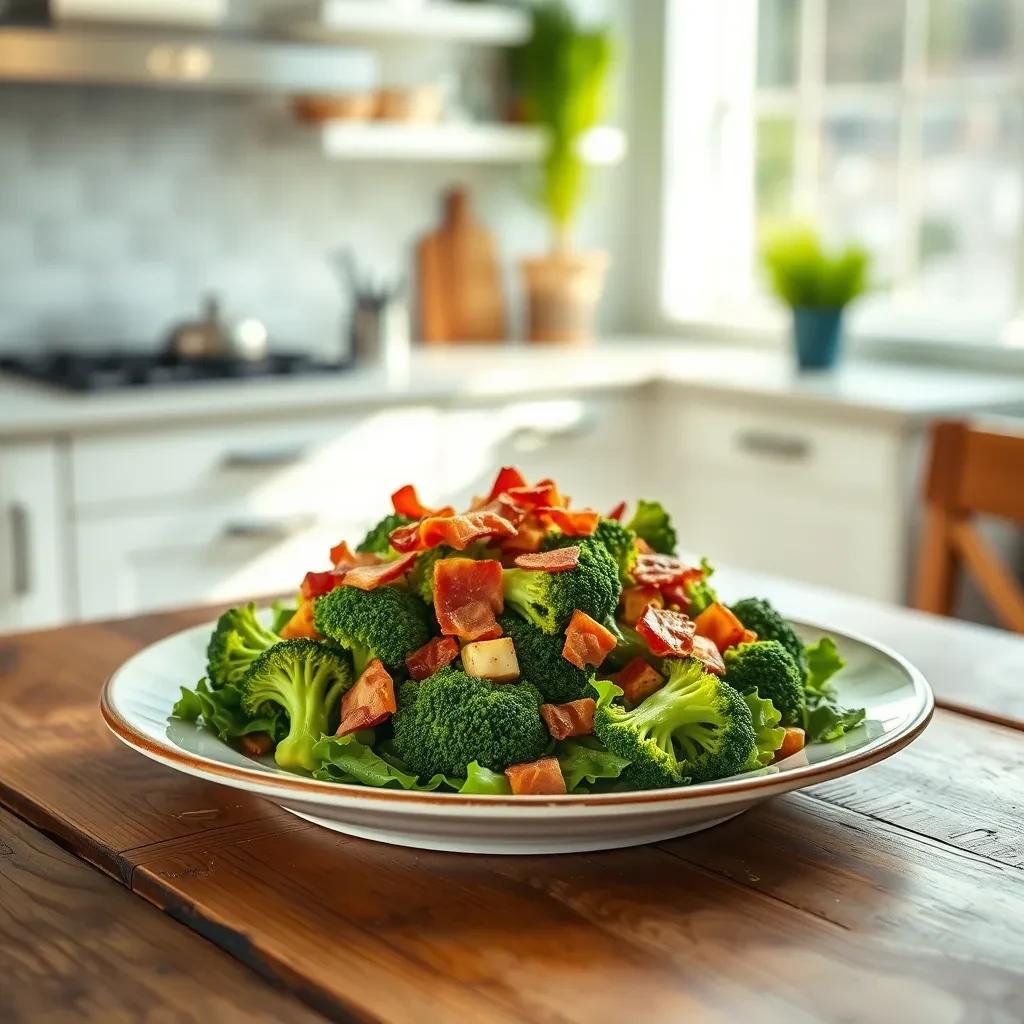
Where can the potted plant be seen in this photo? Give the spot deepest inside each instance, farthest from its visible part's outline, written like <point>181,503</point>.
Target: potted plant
<point>817,285</point>
<point>563,79</point>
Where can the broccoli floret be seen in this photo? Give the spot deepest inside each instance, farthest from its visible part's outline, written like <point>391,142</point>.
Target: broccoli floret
<point>617,540</point>
<point>548,599</point>
<point>540,660</point>
<point>238,639</point>
<point>694,728</point>
<point>758,614</point>
<point>385,623</point>
<point>378,540</point>
<point>450,719</point>
<point>768,668</point>
<point>652,523</point>
<point>306,679</point>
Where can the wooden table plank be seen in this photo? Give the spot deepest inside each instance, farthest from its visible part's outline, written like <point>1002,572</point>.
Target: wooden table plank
<point>75,946</point>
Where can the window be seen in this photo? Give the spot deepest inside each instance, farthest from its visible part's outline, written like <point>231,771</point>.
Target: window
<point>896,123</point>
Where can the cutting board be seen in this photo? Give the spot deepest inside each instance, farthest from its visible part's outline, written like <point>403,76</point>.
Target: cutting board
<point>460,295</point>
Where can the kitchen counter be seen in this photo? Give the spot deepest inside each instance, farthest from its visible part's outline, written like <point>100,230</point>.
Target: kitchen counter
<point>876,391</point>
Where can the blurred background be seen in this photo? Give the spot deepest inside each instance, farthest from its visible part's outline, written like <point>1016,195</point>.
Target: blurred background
<point>261,263</point>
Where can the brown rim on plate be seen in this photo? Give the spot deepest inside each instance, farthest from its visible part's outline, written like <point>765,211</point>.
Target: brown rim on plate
<point>300,787</point>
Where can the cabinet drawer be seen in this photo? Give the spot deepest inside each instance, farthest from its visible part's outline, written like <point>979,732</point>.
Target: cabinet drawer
<point>789,450</point>
<point>289,465</point>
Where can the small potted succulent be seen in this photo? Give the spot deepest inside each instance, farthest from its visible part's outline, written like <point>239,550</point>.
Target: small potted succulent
<point>563,73</point>
<point>817,285</point>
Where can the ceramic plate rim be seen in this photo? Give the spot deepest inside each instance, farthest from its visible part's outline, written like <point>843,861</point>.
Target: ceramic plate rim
<point>308,790</point>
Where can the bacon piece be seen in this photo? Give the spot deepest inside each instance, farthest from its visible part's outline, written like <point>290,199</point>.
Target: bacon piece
<point>638,680</point>
<point>543,494</point>
<point>467,597</point>
<point>580,523</point>
<point>507,478</point>
<point>301,623</point>
<point>536,778</point>
<point>505,507</point>
<point>370,577</point>
<point>792,742</point>
<point>342,557</point>
<point>587,642</point>
<point>664,570</point>
<point>433,656</point>
<point>528,538</point>
<point>667,634</point>
<point>618,512</point>
<point>634,600</point>
<point>457,531</point>
<point>676,597</point>
<point>720,626</point>
<point>555,560</point>
<point>708,655</point>
<point>406,502</point>
<point>573,719</point>
<point>256,744</point>
<point>370,701</point>
<point>316,584</point>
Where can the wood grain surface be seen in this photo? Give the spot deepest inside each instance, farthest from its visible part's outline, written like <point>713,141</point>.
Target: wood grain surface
<point>895,894</point>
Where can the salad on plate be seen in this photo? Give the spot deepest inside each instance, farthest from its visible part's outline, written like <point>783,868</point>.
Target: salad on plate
<point>523,646</point>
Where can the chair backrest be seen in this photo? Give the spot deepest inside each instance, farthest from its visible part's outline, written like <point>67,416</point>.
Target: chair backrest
<point>971,472</point>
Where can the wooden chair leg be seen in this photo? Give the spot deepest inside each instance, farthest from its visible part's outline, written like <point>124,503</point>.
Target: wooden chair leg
<point>938,568</point>
<point>1002,591</point>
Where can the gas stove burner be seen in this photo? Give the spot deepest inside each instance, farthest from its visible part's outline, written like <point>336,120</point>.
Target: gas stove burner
<point>110,371</point>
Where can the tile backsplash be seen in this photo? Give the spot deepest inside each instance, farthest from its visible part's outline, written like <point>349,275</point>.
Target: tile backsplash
<point>120,209</point>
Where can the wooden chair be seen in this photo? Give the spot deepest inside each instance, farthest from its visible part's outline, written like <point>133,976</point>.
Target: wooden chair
<point>971,472</point>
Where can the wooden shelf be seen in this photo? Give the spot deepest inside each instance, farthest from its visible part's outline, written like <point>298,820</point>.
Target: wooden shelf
<point>443,20</point>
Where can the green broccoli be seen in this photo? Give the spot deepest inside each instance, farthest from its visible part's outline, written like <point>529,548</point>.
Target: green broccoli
<point>617,540</point>
<point>758,614</point>
<point>378,540</point>
<point>540,661</point>
<point>450,719</point>
<point>237,640</point>
<point>651,523</point>
<point>694,728</point>
<point>306,679</point>
<point>767,668</point>
<point>385,623</point>
<point>768,733</point>
<point>549,599</point>
<point>700,591</point>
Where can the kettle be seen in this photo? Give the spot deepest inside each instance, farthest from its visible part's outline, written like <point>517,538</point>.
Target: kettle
<point>211,338</point>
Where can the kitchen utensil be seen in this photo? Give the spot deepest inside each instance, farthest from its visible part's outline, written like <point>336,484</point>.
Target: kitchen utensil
<point>460,294</point>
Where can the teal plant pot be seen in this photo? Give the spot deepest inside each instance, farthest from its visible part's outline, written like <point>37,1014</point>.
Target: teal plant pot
<point>817,333</point>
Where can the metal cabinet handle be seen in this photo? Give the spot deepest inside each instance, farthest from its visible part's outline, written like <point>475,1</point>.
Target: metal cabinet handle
<point>22,573</point>
<point>775,446</point>
<point>268,458</point>
<point>267,529</point>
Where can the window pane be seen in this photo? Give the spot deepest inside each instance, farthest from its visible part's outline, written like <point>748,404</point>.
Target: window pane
<point>970,36</point>
<point>776,137</point>
<point>777,47</point>
<point>864,40</point>
<point>859,185</point>
<point>971,198</point>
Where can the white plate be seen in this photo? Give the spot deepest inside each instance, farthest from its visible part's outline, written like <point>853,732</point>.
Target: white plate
<point>137,700</point>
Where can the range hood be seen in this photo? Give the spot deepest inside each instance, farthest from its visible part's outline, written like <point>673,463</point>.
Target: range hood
<point>174,59</point>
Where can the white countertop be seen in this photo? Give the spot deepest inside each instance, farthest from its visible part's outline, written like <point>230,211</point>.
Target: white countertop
<point>882,392</point>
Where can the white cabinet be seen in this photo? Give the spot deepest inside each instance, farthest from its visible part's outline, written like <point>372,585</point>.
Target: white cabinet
<point>35,572</point>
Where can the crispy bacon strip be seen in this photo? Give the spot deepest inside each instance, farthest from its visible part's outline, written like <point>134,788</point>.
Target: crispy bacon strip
<point>587,642</point>
<point>505,507</point>
<point>543,494</point>
<point>618,512</point>
<point>406,502</point>
<point>573,719</point>
<point>667,634</point>
<point>507,478</point>
<point>555,560</point>
<point>580,523</point>
<point>720,626</point>
<point>638,680</point>
<point>370,577</point>
<point>316,584</point>
<point>343,557</point>
<point>528,538</point>
<point>708,655</point>
<point>664,570</point>
<point>536,778</point>
<point>457,531</point>
<point>433,656</point>
<point>370,701</point>
<point>467,597</point>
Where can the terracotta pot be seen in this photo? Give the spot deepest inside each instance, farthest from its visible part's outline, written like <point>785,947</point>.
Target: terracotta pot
<point>562,291</point>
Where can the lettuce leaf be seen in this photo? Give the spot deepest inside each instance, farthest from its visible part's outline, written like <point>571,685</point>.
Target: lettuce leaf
<point>482,781</point>
<point>823,661</point>
<point>221,710</point>
<point>652,523</point>
<point>768,734</point>
<point>825,719</point>
<point>586,760</point>
<point>345,759</point>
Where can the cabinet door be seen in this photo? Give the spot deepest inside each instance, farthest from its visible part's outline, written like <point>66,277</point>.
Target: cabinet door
<point>35,578</point>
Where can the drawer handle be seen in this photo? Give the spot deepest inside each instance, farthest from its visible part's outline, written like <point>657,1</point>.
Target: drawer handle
<point>21,575</point>
<point>774,446</point>
<point>269,458</point>
<point>267,529</point>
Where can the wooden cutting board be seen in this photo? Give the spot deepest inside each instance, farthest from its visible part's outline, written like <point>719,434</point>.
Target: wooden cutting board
<point>460,294</point>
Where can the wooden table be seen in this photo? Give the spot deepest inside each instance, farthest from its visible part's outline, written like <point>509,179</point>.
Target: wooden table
<point>894,895</point>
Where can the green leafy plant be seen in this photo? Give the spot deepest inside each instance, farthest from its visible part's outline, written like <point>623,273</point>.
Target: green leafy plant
<point>804,274</point>
<point>564,71</point>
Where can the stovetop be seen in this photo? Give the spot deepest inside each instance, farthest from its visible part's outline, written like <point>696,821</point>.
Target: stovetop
<point>113,370</point>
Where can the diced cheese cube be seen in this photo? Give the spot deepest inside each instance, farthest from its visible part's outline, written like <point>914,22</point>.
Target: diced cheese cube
<point>491,659</point>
